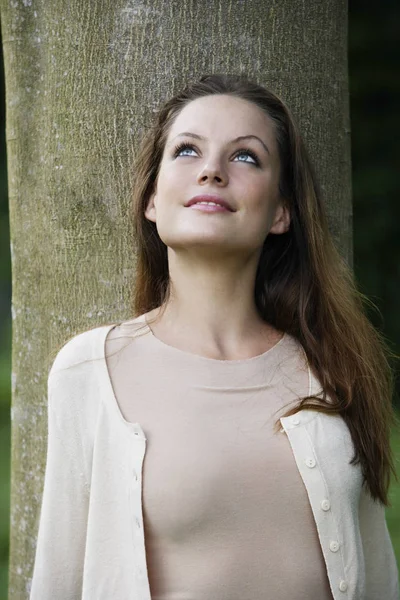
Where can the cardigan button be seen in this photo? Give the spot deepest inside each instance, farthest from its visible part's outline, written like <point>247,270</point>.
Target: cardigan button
<point>334,546</point>
<point>325,504</point>
<point>342,586</point>
<point>310,462</point>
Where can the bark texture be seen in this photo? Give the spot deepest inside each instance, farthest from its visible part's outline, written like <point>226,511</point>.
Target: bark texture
<point>82,80</point>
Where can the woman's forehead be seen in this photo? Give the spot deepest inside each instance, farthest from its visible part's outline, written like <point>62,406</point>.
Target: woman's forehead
<point>221,113</point>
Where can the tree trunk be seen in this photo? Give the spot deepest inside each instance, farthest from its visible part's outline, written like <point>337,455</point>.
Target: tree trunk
<point>82,80</point>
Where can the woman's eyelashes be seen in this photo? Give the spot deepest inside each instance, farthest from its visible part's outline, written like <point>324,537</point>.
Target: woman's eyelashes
<point>178,151</point>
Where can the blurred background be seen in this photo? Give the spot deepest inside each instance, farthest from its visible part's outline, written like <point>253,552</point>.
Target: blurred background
<point>375,118</point>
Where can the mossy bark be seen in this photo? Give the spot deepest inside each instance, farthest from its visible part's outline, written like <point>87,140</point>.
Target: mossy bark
<point>82,80</point>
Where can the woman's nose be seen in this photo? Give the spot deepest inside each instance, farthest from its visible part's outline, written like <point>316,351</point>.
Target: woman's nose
<point>212,172</point>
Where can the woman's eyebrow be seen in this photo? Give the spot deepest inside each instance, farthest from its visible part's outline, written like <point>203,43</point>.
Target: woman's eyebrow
<point>238,139</point>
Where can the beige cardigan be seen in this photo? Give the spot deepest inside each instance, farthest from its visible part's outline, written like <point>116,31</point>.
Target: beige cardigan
<point>89,547</point>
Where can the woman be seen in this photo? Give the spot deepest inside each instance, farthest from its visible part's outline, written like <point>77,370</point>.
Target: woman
<point>230,441</point>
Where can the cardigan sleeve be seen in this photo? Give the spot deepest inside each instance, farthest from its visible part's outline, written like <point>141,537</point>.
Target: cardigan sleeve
<point>60,549</point>
<point>381,571</point>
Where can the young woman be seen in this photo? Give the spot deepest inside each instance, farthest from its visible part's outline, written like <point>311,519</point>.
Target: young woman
<point>231,440</point>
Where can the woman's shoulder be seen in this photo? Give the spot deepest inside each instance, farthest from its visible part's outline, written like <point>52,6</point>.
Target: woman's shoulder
<point>81,348</point>
<point>128,329</point>
<point>89,345</point>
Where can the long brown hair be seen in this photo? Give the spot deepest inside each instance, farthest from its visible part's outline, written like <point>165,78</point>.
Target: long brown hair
<point>303,286</point>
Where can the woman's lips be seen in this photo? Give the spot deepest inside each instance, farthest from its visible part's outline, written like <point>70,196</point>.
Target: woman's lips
<point>213,198</point>
<point>209,208</point>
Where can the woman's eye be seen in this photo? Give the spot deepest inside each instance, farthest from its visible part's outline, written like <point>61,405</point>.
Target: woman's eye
<point>183,149</point>
<point>247,154</point>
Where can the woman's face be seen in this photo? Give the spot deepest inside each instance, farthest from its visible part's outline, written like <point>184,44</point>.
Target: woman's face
<point>244,172</point>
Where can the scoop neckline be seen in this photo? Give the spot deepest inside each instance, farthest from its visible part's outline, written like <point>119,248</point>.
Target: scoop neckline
<point>110,396</point>
<point>206,359</point>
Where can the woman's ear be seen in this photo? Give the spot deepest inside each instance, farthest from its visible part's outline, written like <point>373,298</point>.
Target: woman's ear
<point>281,221</point>
<point>150,212</point>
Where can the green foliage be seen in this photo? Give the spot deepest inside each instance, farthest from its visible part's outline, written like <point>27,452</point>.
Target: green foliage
<point>5,451</point>
<point>375,125</point>
<point>393,513</point>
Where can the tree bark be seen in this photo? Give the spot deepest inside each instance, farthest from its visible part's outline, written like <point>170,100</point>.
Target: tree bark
<point>82,81</point>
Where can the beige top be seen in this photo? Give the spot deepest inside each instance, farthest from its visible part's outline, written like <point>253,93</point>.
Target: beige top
<point>226,513</point>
